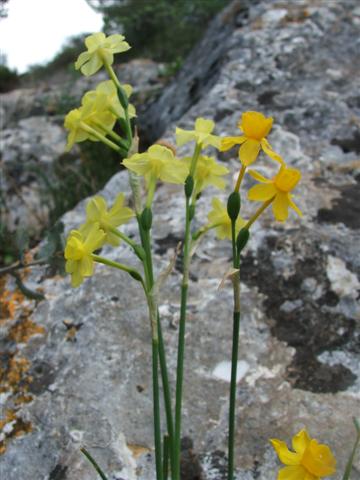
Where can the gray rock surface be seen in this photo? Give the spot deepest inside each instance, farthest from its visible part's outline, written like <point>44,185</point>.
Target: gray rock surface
<point>89,362</point>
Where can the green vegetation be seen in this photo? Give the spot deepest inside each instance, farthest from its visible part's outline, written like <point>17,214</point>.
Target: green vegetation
<point>9,79</point>
<point>163,30</point>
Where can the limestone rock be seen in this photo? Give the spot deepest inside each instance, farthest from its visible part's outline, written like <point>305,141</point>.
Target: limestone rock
<point>88,369</point>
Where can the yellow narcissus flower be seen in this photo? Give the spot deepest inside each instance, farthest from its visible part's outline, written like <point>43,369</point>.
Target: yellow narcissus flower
<point>220,220</point>
<point>157,163</point>
<point>309,460</point>
<point>97,212</point>
<point>202,134</point>
<point>78,253</point>
<point>278,189</point>
<point>100,51</point>
<point>105,98</point>
<point>208,172</point>
<point>79,120</point>
<point>255,127</point>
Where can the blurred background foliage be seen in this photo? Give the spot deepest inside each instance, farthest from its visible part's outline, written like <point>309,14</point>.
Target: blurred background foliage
<point>163,30</point>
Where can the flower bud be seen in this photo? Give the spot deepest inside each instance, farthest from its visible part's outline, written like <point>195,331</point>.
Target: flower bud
<point>233,205</point>
<point>146,219</point>
<point>189,186</point>
<point>242,239</point>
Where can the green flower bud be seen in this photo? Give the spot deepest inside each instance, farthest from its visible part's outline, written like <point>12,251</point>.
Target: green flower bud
<point>146,218</point>
<point>135,275</point>
<point>242,239</point>
<point>189,186</point>
<point>233,205</point>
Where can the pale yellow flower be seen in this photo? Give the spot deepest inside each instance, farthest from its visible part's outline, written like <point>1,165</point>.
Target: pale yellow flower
<point>279,189</point>
<point>78,253</point>
<point>309,460</point>
<point>78,120</point>
<point>100,51</point>
<point>202,134</point>
<point>105,98</point>
<point>255,127</point>
<point>219,218</point>
<point>208,172</point>
<point>108,219</point>
<point>157,163</point>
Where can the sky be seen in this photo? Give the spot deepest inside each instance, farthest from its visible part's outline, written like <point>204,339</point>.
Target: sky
<point>35,30</point>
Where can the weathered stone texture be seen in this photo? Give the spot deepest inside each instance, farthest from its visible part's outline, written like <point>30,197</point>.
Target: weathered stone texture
<point>300,344</point>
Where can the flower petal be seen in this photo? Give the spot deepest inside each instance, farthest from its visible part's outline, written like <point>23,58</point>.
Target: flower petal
<point>137,163</point>
<point>261,193</point>
<point>259,177</point>
<point>300,441</point>
<point>82,58</point>
<point>94,41</point>
<point>249,151</point>
<point>265,145</point>
<point>174,172</point>
<point>86,266</point>
<point>229,142</point>
<point>293,205</point>
<point>184,136</point>
<point>95,208</point>
<point>212,140</point>
<point>280,206</point>
<point>94,239</point>
<point>292,473</point>
<point>92,66</point>
<point>203,125</point>
<point>76,278</point>
<point>285,456</point>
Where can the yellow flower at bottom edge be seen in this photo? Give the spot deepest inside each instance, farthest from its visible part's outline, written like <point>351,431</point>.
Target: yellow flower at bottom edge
<point>219,218</point>
<point>309,460</point>
<point>78,253</point>
<point>255,127</point>
<point>97,212</point>
<point>278,187</point>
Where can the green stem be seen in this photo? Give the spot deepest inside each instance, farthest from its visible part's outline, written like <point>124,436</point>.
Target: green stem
<point>258,212</point>
<point>352,455</point>
<point>112,134</point>
<point>151,191</point>
<point>148,269</point>
<point>156,409</point>
<point>181,344</point>
<point>194,159</point>
<point>145,236</point>
<point>166,457</point>
<point>138,249</point>
<point>93,463</point>
<point>114,78</point>
<point>102,138</point>
<point>234,354</point>
<point>167,396</point>
<point>110,263</point>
